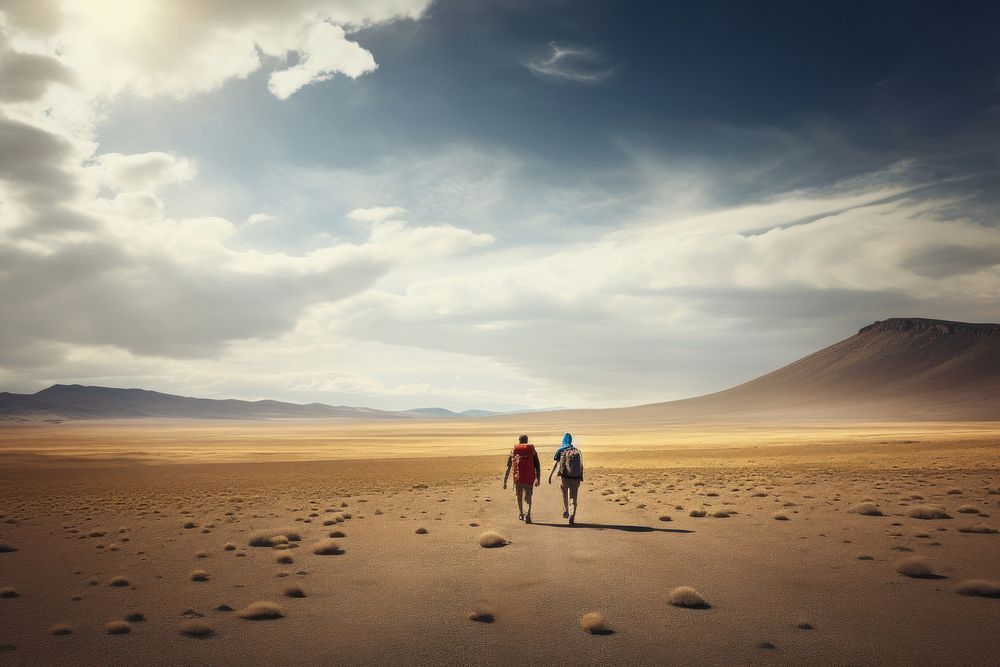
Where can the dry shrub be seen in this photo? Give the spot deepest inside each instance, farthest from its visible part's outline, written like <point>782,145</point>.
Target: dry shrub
<point>8,593</point>
<point>979,588</point>
<point>294,591</point>
<point>199,629</point>
<point>421,531</point>
<point>336,533</point>
<point>720,514</point>
<point>492,539</point>
<point>865,509</point>
<point>199,575</point>
<point>135,617</point>
<point>928,512</point>
<point>118,581</point>
<point>968,509</point>
<point>327,548</point>
<point>685,596</point>
<point>781,516</point>
<point>6,548</point>
<point>61,629</point>
<point>270,538</point>
<point>696,513</point>
<point>117,628</point>
<point>593,623</point>
<point>665,517</point>
<point>915,566</point>
<point>259,611</point>
<point>229,546</point>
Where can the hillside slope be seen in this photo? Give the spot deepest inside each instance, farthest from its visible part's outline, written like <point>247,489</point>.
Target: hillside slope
<point>901,368</point>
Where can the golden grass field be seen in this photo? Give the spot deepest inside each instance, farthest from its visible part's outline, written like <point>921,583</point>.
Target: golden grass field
<point>106,520</point>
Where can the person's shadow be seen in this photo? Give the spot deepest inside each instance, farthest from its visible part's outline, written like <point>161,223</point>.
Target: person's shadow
<point>612,526</point>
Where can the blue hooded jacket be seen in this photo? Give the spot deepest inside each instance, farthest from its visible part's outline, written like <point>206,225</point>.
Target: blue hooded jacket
<point>567,443</point>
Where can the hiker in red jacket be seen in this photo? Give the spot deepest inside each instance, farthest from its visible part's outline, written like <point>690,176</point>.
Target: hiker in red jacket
<point>527,472</point>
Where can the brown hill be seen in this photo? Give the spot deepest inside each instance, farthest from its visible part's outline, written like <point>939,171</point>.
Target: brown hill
<point>901,369</point>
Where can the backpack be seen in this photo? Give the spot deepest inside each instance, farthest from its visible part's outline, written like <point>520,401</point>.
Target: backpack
<point>571,464</point>
<point>523,463</point>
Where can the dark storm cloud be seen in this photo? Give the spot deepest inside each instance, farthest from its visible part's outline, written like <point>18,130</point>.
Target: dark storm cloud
<point>951,260</point>
<point>26,76</point>
<point>33,162</point>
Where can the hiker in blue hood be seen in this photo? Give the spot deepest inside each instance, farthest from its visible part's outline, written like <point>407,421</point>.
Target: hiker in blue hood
<point>569,463</point>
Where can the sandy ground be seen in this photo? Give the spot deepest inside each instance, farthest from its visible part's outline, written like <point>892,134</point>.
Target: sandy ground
<point>85,504</point>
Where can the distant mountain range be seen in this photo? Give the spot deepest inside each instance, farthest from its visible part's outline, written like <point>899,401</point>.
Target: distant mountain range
<point>74,401</point>
<point>900,369</point>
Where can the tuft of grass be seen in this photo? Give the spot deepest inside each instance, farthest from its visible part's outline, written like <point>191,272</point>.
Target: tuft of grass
<point>118,581</point>
<point>915,566</point>
<point>421,531</point>
<point>327,548</point>
<point>928,512</point>
<point>720,514</point>
<point>61,629</point>
<point>117,628</point>
<point>685,596</point>
<point>593,623</point>
<point>336,533</point>
<point>135,617</point>
<point>8,592</point>
<point>865,509</point>
<point>6,548</point>
<point>270,538</point>
<point>229,546</point>
<point>260,610</point>
<point>294,591</point>
<point>492,539</point>
<point>979,588</point>
<point>968,509</point>
<point>199,629</point>
<point>981,528</point>
<point>696,513</point>
<point>781,516</point>
<point>482,614</point>
<point>665,517</point>
<point>199,575</point>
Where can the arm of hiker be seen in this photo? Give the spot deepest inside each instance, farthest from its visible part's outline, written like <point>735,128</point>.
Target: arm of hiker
<point>538,471</point>
<point>507,474</point>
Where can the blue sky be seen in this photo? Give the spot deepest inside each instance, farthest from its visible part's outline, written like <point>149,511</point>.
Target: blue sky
<point>495,204</point>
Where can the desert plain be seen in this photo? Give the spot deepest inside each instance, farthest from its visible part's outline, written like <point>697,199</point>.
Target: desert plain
<point>150,541</point>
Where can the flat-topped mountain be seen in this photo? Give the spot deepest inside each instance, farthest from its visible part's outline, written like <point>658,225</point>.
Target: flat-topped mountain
<point>896,369</point>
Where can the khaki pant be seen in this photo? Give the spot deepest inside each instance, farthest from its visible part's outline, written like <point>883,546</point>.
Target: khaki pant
<point>570,488</point>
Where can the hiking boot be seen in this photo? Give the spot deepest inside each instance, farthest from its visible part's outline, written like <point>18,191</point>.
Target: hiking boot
<point>572,518</point>
<point>566,514</point>
<point>520,517</point>
<point>527,518</point>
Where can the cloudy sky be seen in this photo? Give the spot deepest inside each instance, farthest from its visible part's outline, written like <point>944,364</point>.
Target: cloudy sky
<point>405,203</point>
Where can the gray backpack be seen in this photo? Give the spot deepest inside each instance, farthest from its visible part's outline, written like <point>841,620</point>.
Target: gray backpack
<point>571,464</point>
